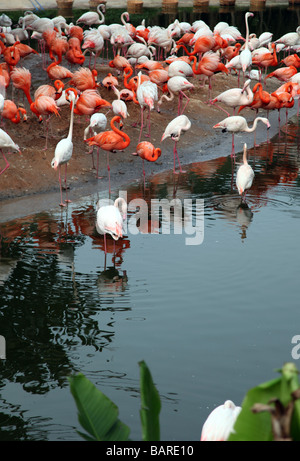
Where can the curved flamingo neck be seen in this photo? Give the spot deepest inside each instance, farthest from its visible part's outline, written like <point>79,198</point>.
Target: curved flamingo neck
<point>185,49</point>
<point>193,59</point>
<point>128,71</point>
<point>119,132</point>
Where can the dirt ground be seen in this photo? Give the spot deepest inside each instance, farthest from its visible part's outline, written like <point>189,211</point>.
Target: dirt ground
<point>31,173</point>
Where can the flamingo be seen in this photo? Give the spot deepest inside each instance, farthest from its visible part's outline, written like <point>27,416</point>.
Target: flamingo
<point>13,113</point>
<point>57,72</point>
<point>109,81</point>
<point>283,74</point>
<point>92,17</point>
<point>177,85</point>
<point>266,59</point>
<point>118,106</point>
<point>180,68</point>
<point>84,79</point>
<point>237,124</point>
<point>64,148</point>
<point>148,152</point>
<point>244,176</point>
<point>207,66</point>
<point>97,123</point>
<point>90,102</point>
<point>245,55</point>
<point>111,141</point>
<point>110,220</point>
<point>178,125</point>
<point>146,94</point>
<point>235,97</point>
<point>289,39</point>
<point>220,422</point>
<point>93,41</point>
<point>6,142</point>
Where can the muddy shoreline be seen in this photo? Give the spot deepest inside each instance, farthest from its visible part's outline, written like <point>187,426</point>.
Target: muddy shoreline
<point>30,185</point>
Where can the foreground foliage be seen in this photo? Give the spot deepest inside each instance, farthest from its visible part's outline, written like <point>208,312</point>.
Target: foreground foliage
<point>270,411</point>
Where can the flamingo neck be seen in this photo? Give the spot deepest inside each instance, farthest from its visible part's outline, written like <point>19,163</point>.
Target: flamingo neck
<point>119,132</point>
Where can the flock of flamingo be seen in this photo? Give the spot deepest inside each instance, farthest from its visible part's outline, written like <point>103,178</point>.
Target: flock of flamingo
<point>148,70</point>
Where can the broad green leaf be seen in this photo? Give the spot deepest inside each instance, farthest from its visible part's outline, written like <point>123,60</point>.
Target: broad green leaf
<point>257,426</point>
<point>150,405</point>
<point>97,414</point>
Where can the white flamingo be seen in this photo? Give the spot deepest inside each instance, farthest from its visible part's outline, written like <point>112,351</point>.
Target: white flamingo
<point>177,85</point>
<point>220,422</point>
<point>110,220</point>
<point>92,17</point>
<point>174,129</point>
<point>237,124</point>
<point>64,149</point>
<point>244,176</point>
<point>6,143</point>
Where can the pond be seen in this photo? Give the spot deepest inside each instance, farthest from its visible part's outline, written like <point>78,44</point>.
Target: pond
<point>211,320</point>
<point>211,317</point>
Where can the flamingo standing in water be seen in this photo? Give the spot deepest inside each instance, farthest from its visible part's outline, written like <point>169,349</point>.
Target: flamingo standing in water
<point>237,124</point>
<point>110,220</point>
<point>111,141</point>
<point>173,130</point>
<point>220,422</point>
<point>244,176</point>
<point>64,148</point>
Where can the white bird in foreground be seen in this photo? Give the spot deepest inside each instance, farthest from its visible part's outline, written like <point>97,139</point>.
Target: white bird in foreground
<point>220,422</point>
<point>237,124</point>
<point>8,144</point>
<point>97,123</point>
<point>173,130</point>
<point>110,219</point>
<point>244,176</point>
<point>64,148</point>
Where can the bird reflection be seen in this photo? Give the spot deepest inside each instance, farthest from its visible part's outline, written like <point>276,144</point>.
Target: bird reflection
<point>7,265</point>
<point>111,281</point>
<point>235,211</point>
<point>244,216</point>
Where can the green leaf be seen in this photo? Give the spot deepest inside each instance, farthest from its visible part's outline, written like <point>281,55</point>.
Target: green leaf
<point>251,426</point>
<point>150,405</point>
<point>97,414</point>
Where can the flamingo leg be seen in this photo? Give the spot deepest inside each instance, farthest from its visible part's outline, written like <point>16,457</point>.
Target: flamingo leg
<point>66,200</point>
<point>6,163</point>
<point>108,170</point>
<point>98,177</point>
<point>149,126</point>
<point>142,122</point>
<point>188,100</point>
<point>60,186</point>
<point>232,146</point>
<point>175,153</point>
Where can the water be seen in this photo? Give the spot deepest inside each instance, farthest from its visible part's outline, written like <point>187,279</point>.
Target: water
<point>210,320</point>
